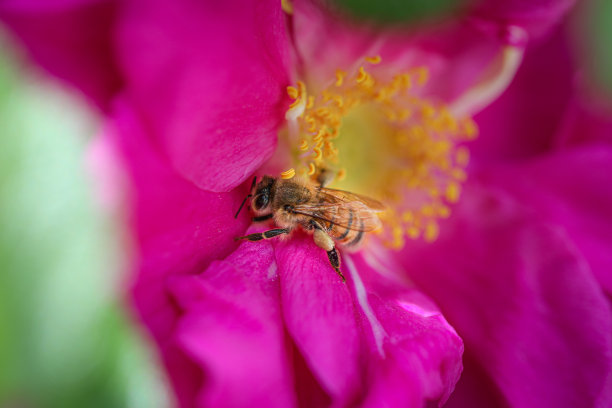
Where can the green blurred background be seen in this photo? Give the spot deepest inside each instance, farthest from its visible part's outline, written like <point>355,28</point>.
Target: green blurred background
<point>65,337</point>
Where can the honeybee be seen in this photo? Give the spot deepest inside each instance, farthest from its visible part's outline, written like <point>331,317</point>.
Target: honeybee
<point>332,216</point>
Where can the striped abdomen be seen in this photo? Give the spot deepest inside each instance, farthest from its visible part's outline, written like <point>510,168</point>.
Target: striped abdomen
<point>350,234</point>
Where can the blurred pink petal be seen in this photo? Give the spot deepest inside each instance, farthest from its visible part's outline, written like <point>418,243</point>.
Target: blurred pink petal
<point>475,387</point>
<point>454,52</point>
<point>522,297</point>
<point>537,16</point>
<point>379,343</point>
<point>526,119</point>
<point>72,40</point>
<point>179,229</point>
<point>421,353</point>
<point>568,189</point>
<point>586,122</point>
<point>320,317</point>
<point>231,326</point>
<point>212,93</point>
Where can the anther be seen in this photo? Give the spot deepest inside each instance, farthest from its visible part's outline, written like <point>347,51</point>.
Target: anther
<point>432,230</point>
<point>292,92</point>
<point>310,102</point>
<point>340,77</point>
<point>319,136</point>
<point>453,190</point>
<point>362,75</point>
<point>288,174</point>
<point>423,75</point>
<point>470,129</point>
<point>312,123</point>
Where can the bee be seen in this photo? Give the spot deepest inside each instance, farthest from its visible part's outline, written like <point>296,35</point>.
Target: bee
<point>331,216</point>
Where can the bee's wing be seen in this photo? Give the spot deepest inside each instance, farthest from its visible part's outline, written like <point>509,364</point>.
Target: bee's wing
<point>353,215</point>
<point>333,195</point>
<point>345,209</point>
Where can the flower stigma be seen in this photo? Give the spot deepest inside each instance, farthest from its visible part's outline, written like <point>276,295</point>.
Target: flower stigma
<point>384,139</point>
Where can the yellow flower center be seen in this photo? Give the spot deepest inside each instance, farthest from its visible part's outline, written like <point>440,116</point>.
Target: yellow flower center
<point>385,140</point>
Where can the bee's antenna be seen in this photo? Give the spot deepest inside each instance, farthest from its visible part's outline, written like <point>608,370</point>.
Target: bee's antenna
<point>247,197</point>
<point>242,205</point>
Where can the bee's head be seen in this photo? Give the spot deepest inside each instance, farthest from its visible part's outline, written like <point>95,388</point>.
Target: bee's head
<point>262,196</point>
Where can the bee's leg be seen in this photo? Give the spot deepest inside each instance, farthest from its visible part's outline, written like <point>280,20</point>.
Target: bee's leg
<point>264,235</point>
<point>334,260</point>
<point>323,240</point>
<point>325,177</point>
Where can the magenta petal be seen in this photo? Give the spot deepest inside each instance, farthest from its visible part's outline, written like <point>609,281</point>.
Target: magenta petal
<point>423,346</point>
<point>414,354</point>
<point>455,53</point>
<point>527,118</point>
<point>475,388</point>
<point>179,229</point>
<point>367,343</point>
<point>572,190</point>
<point>535,15</point>
<point>586,123</point>
<point>72,40</point>
<point>232,328</point>
<point>211,79</point>
<point>522,298</point>
<point>319,316</point>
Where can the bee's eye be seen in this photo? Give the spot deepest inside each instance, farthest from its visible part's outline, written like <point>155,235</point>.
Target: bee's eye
<point>261,201</point>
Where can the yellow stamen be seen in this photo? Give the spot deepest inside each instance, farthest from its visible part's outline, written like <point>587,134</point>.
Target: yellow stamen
<point>304,145</point>
<point>427,210</point>
<point>340,77</point>
<point>413,232</point>
<point>319,136</point>
<point>459,174</point>
<point>288,174</point>
<point>453,190</point>
<point>310,102</point>
<point>443,211</point>
<point>362,76</point>
<point>413,146</point>
<point>312,123</point>
<point>339,101</point>
<point>300,97</point>
<point>432,230</point>
<point>293,92</point>
<point>423,75</point>
<point>469,128</point>
<point>407,216</point>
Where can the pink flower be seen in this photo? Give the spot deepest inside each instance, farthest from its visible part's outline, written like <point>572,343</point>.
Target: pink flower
<point>196,97</point>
